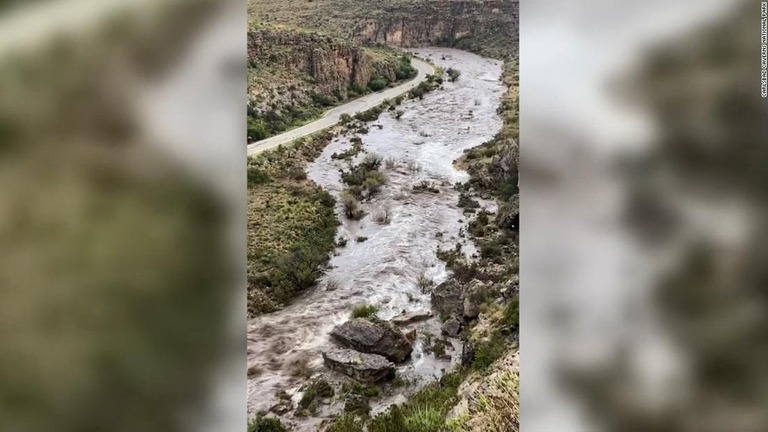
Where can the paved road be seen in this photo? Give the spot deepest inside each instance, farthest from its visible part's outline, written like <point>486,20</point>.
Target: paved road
<point>331,117</point>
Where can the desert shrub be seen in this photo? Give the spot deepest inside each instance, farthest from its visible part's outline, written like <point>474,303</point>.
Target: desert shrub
<point>314,390</point>
<point>373,183</point>
<point>404,69</point>
<point>512,313</point>
<point>361,239</point>
<point>345,119</point>
<point>346,423</point>
<point>364,311</point>
<point>370,115</point>
<point>424,282</point>
<point>257,176</point>
<point>356,388</point>
<point>425,186</point>
<point>383,216</point>
<point>356,89</point>
<point>467,202</point>
<point>372,162</point>
<point>265,424</point>
<point>297,173</point>
<point>453,74</point>
<point>439,347</point>
<point>378,83</point>
<point>492,249</point>
<point>298,270</point>
<point>365,180</point>
<point>322,100</point>
<point>351,206</point>
<point>488,351</point>
<point>256,130</point>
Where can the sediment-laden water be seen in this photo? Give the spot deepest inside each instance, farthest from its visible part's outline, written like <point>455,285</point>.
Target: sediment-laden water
<point>384,269</point>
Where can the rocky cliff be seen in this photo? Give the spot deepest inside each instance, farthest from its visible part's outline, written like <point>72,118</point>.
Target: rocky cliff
<point>489,27</point>
<point>333,64</point>
<point>293,75</point>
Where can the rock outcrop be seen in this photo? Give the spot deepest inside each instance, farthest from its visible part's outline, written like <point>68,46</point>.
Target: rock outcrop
<point>406,318</point>
<point>383,339</point>
<point>451,327</point>
<point>334,65</point>
<point>363,367</point>
<point>488,26</point>
<point>442,23</point>
<point>448,298</point>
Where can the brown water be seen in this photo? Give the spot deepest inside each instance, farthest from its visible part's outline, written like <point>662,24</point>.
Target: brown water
<point>384,269</point>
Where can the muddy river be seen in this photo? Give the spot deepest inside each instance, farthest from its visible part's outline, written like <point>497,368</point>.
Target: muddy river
<point>385,269</point>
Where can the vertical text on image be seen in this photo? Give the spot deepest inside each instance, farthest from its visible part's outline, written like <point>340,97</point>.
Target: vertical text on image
<point>764,49</point>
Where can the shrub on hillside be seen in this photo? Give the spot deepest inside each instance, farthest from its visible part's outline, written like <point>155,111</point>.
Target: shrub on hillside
<point>378,84</point>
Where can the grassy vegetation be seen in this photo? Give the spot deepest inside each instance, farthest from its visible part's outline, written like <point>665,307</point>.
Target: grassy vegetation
<point>425,411</point>
<point>365,311</point>
<point>494,406</point>
<point>265,424</point>
<point>291,225</point>
<point>363,180</point>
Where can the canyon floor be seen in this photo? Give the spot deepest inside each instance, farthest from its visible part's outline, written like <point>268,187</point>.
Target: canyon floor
<point>383,263</point>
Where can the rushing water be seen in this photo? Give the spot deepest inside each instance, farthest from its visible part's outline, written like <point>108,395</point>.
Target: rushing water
<point>384,269</point>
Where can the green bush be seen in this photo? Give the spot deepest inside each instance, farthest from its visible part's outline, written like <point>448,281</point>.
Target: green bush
<point>265,424</point>
<point>256,130</point>
<point>351,206</point>
<point>257,176</point>
<point>364,311</point>
<point>346,423</point>
<point>489,351</point>
<point>512,313</point>
<point>370,115</point>
<point>404,69</point>
<point>378,84</point>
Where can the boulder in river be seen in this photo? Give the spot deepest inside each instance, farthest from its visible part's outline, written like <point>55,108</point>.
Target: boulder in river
<point>411,317</point>
<point>448,298</point>
<point>375,338</point>
<point>363,367</point>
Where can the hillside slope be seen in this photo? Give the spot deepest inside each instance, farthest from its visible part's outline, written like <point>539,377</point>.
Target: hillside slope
<point>486,27</point>
<point>294,76</point>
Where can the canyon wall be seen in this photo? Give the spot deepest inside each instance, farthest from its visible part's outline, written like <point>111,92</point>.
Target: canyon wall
<point>487,27</point>
<point>487,24</point>
<point>333,64</point>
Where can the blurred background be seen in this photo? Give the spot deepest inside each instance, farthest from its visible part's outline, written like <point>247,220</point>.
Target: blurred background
<point>643,196</point>
<point>122,215</point>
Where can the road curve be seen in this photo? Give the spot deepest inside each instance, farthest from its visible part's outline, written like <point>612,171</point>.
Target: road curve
<point>332,117</point>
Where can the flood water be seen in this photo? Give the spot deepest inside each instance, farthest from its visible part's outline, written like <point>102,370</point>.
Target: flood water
<point>385,269</point>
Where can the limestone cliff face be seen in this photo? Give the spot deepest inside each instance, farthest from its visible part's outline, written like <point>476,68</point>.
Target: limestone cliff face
<point>333,64</point>
<point>488,24</point>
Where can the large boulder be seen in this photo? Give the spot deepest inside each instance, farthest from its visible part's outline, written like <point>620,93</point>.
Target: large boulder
<point>363,367</point>
<point>448,298</point>
<point>473,297</point>
<point>452,327</point>
<point>471,308</point>
<point>375,338</point>
<point>406,318</point>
